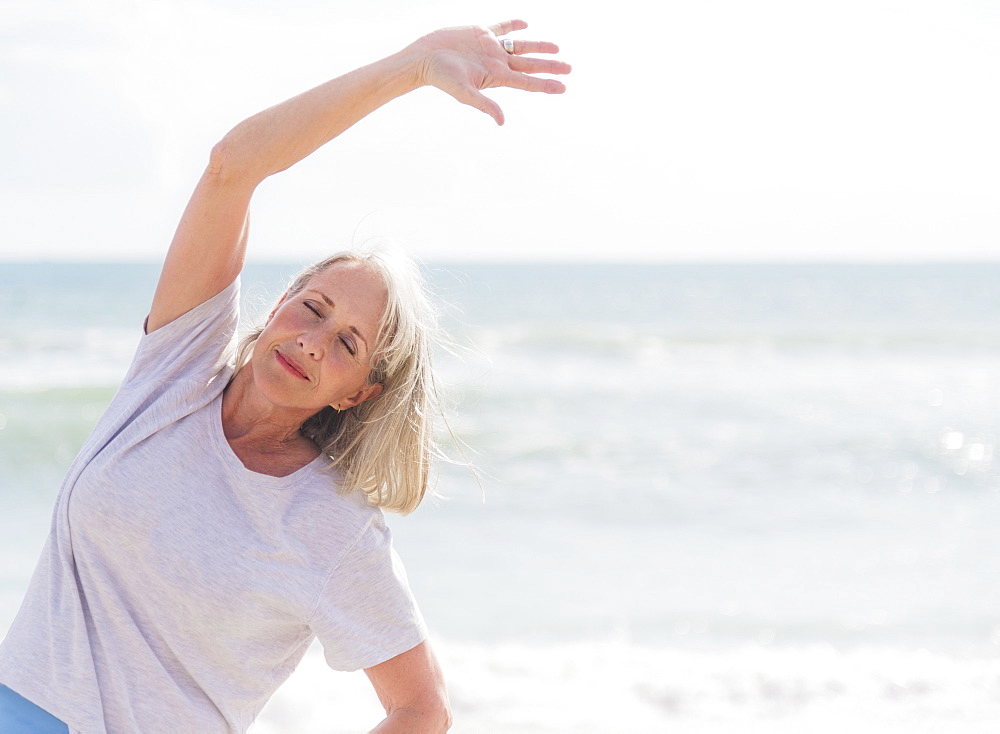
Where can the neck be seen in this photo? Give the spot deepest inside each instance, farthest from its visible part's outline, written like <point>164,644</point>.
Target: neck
<point>248,416</point>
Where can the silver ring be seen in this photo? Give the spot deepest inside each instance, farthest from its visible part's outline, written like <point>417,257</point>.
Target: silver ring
<point>508,45</point>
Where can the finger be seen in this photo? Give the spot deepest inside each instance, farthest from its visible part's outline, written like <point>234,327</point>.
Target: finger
<point>533,83</point>
<point>507,26</point>
<point>527,65</point>
<point>535,47</point>
<point>474,98</point>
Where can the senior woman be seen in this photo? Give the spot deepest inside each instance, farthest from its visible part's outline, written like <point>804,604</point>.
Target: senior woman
<point>227,509</point>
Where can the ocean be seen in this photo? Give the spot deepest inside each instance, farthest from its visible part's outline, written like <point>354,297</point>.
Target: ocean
<point>706,498</point>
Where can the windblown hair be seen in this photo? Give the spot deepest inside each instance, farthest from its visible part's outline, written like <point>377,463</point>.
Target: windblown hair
<point>383,446</point>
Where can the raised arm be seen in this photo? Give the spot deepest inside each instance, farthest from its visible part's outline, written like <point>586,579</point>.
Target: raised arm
<point>208,248</point>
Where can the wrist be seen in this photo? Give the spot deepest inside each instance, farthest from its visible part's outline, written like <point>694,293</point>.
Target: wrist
<point>411,63</point>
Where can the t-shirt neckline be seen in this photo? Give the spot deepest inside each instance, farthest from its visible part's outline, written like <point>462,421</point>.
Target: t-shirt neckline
<point>233,463</point>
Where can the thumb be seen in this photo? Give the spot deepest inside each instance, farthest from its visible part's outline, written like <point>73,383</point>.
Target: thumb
<point>481,102</point>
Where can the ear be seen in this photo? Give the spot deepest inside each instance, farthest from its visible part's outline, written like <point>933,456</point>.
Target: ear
<point>366,393</point>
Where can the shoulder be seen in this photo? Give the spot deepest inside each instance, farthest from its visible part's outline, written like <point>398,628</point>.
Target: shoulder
<point>332,522</point>
<point>344,530</point>
<point>199,343</point>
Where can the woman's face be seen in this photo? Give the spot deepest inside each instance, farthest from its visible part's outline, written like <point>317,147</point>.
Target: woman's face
<point>316,348</point>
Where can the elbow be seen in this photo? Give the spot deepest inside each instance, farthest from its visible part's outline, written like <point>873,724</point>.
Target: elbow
<point>429,718</point>
<point>434,718</point>
<point>227,165</point>
<point>224,161</point>
<point>438,722</point>
<point>445,720</point>
<point>218,158</point>
<point>437,712</point>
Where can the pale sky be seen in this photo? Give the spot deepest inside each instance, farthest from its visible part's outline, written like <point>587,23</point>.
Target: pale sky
<point>709,130</point>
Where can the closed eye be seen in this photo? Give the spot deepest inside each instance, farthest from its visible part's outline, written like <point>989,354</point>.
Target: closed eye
<point>348,344</point>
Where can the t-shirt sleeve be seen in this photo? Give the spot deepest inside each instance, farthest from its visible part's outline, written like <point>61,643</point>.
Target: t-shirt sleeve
<point>366,613</point>
<point>198,344</point>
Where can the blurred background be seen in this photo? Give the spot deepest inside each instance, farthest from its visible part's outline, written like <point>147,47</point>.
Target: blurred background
<point>863,129</point>
<point>729,362</point>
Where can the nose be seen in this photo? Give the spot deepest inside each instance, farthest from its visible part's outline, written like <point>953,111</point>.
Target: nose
<point>311,344</point>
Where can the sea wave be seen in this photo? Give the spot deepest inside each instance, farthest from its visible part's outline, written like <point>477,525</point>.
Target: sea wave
<point>607,687</point>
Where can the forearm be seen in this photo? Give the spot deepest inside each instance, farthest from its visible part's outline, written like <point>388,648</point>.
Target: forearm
<point>208,248</point>
<point>281,136</point>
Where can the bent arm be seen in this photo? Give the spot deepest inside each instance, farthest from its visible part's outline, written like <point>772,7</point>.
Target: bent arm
<point>209,246</point>
<point>412,691</point>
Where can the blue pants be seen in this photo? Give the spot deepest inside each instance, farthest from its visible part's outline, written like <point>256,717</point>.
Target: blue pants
<point>18,715</point>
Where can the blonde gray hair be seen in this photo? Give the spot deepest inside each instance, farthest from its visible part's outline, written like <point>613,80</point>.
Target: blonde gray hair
<point>383,446</point>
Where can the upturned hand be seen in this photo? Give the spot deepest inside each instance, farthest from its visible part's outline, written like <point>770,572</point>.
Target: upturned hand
<point>462,61</point>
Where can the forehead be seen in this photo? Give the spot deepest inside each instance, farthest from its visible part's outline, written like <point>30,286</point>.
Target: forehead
<point>353,275</point>
<point>353,287</point>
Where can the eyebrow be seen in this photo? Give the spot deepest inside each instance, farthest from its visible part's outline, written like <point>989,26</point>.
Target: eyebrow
<point>330,303</point>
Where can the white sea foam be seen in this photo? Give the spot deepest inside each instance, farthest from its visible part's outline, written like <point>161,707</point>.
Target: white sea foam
<point>615,687</point>
<point>65,357</point>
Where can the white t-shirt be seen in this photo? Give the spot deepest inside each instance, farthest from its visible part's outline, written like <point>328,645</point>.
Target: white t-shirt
<point>178,589</point>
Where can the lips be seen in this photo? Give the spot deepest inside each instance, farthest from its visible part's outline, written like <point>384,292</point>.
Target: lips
<point>291,366</point>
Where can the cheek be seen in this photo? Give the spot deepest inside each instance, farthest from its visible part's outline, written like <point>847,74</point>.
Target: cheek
<point>340,368</point>
<point>286,317</point>
<point>283,325</point>
<point>337,367</point>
